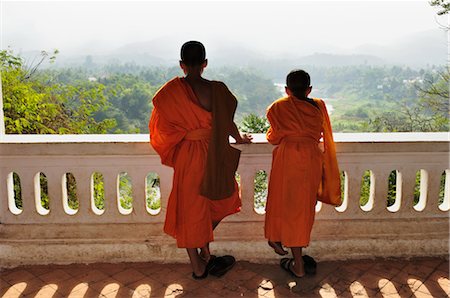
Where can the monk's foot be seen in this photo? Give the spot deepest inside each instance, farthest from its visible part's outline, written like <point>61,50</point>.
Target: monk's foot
<point>288,264</point>
<point>202,272</point>
<point>298,269</point>
<point>278,248</point>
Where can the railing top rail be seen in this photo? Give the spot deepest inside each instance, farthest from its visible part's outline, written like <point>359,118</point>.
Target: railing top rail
<point>397,137</point>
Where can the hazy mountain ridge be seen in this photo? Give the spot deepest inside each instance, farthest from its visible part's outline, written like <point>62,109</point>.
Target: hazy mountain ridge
<point>419,49</point>
<point>416,50</point>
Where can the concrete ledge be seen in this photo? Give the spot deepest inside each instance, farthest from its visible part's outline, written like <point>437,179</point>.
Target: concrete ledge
<point>331,240</point>
<point>41,253</point>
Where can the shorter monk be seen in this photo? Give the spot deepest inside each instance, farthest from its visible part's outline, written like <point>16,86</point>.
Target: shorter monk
<point>298,176</point>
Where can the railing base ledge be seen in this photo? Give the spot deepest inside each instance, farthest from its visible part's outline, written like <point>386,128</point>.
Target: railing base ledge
<point>21,253</point>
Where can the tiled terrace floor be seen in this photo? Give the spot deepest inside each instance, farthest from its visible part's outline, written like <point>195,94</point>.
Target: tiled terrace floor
<point>424,277</point>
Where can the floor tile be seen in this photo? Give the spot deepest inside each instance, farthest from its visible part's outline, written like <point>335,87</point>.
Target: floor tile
<point>444,266</point>
<point>45,292</point>
<point>4,284</point>
<point>17,276</point>
<point>10,292</point>
<point>106,286</point>
<point>436,289</point>
<point>92,276</point>
<point>30,286</point>
<point>128,276</point>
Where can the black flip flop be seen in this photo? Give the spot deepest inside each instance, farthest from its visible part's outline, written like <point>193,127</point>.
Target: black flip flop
<point>222,265</point>
<point>310,264</point>
<point>285,263</point>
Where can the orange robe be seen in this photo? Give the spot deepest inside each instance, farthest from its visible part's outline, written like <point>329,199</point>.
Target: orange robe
<point>180,130</point>
<point>296,127</point>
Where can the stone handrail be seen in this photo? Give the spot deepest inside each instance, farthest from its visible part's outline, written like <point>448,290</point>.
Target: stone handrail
<point>348,231</point>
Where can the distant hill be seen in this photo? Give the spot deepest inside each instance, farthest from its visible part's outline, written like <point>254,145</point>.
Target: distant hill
<point>416,50</point>
<point>324,59</point>
<point>278,68</point>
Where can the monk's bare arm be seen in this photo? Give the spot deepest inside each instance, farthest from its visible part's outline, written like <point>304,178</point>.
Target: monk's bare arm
<point>240,138</point>
<point>234,131</point>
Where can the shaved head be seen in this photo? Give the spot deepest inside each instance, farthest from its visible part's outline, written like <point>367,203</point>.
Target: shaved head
<point>193,53</point>
<point>298,80</point>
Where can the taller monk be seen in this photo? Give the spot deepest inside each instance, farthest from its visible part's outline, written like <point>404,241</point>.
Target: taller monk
<point>190,126</point>
<point>303,170</point>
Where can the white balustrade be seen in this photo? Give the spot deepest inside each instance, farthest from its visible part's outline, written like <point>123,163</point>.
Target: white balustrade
<point>422,227</point>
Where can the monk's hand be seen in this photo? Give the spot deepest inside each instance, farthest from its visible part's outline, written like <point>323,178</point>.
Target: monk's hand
<point>244,139</point>
<point>321,147</point>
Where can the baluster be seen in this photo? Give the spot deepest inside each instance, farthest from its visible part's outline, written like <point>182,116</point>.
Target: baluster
<point>83,179</point>
<point>247,192</point>
<point>381,190</point>
<point>354,191</point>
<point>434,180</point>
<point>29,196</point>
<point>408,184</point>
<point>165,178</point>
<point>110,180</point>
<point>55,195</point>
<point>139,196</point>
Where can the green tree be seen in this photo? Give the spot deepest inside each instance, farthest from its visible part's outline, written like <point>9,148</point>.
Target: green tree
<point>427,114</point>
<point>33,104</point>
<point>253,123</point>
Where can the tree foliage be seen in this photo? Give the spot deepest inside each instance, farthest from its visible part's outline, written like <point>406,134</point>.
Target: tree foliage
<point>252,123</point>
<point>430,112</point>
<point>443,5</point>
<point>34,104</point>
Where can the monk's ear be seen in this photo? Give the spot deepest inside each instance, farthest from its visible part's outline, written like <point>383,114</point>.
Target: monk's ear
<point>183,67</point>
<point>308,91</point>
<point>288,91</point>
<point>205,63</point>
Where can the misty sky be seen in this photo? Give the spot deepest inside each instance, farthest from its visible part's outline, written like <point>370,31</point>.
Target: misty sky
<point>82,27</point>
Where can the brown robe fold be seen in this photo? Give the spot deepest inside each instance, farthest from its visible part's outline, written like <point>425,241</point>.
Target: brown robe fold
<point>222,162</point>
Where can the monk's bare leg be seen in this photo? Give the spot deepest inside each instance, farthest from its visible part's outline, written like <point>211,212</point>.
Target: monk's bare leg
<point>278,248</point>
<point>298,266</point>
<point>197,263</point>
<point>204,251</point>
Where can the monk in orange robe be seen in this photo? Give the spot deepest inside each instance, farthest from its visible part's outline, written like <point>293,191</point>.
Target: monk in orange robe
<point>190,125</point>
<point>303,170</point>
